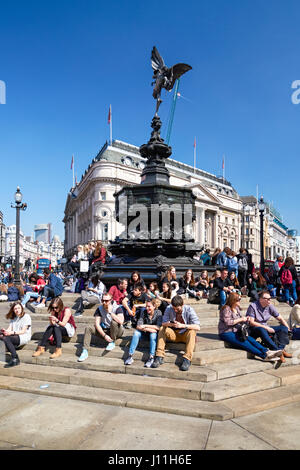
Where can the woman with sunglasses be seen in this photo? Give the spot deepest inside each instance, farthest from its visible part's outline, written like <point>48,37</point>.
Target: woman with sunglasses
<point>61,324</point>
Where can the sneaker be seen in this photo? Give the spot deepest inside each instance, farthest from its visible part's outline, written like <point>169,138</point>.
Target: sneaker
<point>149,362</point>
<point>110,346</point>
<point>157,362</point>
<point>127,324</point>
<point>83,356</point>
<point>185,364</point>
<point>78,314</point>
<point>271,354</point>
<point>41,305</point>
<point>129,360</point>
<point>271,359</point>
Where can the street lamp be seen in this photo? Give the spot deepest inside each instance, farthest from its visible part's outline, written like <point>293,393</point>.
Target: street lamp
<point>18,206</point>
<point>261,208</point>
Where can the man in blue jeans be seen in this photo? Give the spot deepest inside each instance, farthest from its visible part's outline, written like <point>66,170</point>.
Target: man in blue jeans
<point>259,313</point>
<point>222,283</point>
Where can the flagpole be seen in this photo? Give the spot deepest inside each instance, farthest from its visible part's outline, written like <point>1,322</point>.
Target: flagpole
<point>195,155</point>
<point>73,173</point>
<point>110,126</point>
<point>223,168</point>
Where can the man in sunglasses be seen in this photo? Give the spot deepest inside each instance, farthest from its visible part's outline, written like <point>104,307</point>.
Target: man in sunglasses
<point>109,321</point>
<point>260,313</point>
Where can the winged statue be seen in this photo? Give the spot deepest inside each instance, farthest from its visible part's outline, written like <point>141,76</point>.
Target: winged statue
<point>164,76</point>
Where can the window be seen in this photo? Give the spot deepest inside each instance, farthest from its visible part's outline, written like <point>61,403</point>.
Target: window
<point>247,218</point>
<point>226,220</point>
<point>103,196</point>
<point>104,232</point>
<point>247,231</point>
<point>233,222</point>
<point>232,244</point>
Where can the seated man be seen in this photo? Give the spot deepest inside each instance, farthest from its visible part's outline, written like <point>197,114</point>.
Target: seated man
<point>180,324</point>
<point>260,312</point>
<point>148,326</point>
<point>108,325</point>
<point>132,305</point>
<point>53,288</point>
<point>223,284</point>
<point>119,292</point>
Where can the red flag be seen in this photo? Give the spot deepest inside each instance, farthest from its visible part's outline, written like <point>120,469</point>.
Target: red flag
<point>72,161</point>
<point>109,115</point>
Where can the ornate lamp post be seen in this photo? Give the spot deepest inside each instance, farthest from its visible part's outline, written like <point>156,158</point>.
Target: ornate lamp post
<point>261,208</point>
<point>18,206</point>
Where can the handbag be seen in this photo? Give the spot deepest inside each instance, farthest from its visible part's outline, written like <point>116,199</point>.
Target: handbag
<point>214,296</point>
<point>242,331</point>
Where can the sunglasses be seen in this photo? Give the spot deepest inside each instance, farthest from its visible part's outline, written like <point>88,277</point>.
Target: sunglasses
<point>105,300</point>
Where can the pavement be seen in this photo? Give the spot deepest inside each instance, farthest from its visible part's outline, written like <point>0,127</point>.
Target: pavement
<point>35,422</point>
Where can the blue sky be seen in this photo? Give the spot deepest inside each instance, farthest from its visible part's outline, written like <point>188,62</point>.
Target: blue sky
<point>64,62</point>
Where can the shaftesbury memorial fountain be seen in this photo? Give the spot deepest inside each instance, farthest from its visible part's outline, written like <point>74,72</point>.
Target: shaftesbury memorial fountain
<point>158,218</point>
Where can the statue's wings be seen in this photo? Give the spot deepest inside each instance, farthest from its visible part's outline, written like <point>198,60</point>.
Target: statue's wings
<point>175,72</point>
<point>157,61</point>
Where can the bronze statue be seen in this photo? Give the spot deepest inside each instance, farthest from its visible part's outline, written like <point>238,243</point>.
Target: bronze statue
<point>164,77</point>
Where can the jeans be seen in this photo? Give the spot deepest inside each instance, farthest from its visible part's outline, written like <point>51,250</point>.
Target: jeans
<point>11,342</point>
<point>296,333</point>
<point>28,295</point>
<point>250,345</point>
<point>223,297</point>
<point>48,292</point>
<point>289,290</point>
<point>136,338</point>
<point>57,331</point>
<point>259,332</point>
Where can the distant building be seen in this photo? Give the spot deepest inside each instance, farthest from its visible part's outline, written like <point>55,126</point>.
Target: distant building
<point>42,233</point>
<point>2,238</point>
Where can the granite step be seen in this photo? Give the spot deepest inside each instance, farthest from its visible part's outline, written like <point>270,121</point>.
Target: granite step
<point>162,404</point>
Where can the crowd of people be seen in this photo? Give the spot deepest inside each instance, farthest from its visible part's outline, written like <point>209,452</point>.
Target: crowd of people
<point>158,311</point>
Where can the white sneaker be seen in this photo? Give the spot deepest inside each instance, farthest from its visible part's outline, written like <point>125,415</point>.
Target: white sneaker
<point>110,346</point>
<point>271,359</point>
<point>149,362</point>
<point>41,305</point>
<point>271,354</point>
<point>128,361</point>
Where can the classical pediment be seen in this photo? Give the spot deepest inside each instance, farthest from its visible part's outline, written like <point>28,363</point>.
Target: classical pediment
<point>203,194</point>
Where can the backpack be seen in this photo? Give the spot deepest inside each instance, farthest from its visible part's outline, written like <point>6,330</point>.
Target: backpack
<point>243,264</point>
<point>214,296</point>
<point>232,264</point>
<point>286,277</point>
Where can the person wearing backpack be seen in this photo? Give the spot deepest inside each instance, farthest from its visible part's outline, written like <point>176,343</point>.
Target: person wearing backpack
<point>288,277</point>
<point>232,263</point>
<point>242,267</point>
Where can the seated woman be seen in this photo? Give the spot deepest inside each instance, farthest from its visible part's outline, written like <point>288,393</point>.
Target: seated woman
<point>18,332</point>
<point>230,318</point>
<point>61,324</point>
<point>188,285</point>
<point>256,283</point>
<point>3,292</point>
<point>166,296</point>
<point>170,277</point>
<point>294,319</point>
<point>203,283</point>
<point>211,280</point>
<point>99,255</point>
<point>148,326</point>
<point>135,278</point>
<point>92,295</point>
<point>234,282</point>
<point>153,290</point>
